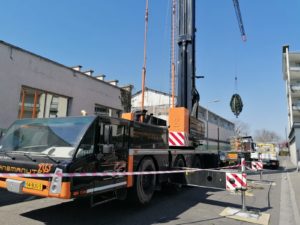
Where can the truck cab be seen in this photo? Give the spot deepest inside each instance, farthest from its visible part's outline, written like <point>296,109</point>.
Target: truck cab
<point>87,144</point>
<point>72,144</point>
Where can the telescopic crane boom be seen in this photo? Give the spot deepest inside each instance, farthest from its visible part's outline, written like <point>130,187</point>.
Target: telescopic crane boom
<point>188,96</point>
<point>183,119</point>
<point>239,18</point>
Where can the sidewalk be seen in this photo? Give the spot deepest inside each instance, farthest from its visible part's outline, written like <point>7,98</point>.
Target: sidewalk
<point>294,183</point>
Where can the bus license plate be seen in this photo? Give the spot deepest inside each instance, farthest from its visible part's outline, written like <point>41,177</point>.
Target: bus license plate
<point>34,186</point>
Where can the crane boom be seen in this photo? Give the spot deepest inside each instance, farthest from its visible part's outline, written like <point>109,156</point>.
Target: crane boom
<point>188,96</point>
<point>239,18</point>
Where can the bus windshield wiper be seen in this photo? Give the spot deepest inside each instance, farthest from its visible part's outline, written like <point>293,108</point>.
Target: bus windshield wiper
<point>49,157</point>
<point>26,154</point>
<point>29,157</point>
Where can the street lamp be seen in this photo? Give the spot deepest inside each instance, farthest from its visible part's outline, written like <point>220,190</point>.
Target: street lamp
<point>213,101</point>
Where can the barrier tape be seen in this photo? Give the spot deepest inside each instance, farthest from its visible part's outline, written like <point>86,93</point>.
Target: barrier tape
<point>111,174</point>
<point>249,168</point>
<point>96,174</point>
<point>230,167</point>
<point>233,180</point>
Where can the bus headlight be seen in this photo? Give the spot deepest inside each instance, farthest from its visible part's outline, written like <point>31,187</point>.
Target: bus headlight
<point>55,187</point>
<point>222,156</point>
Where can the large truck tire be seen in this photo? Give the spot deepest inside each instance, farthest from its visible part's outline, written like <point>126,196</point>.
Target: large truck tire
<point>144,185</point>
<point>179,162</point>
<point>174,184</point>
<point>197,162</point>
<point>276,166</point>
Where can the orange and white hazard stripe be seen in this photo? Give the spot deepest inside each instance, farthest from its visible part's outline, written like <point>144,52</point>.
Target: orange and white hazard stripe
<point>235,181</point>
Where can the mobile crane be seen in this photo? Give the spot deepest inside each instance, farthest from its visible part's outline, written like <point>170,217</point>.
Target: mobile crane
<point>103,144</point>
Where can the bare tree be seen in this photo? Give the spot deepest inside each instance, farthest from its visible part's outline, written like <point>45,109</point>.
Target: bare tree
<point>241,128</point>
<point>266,136</point>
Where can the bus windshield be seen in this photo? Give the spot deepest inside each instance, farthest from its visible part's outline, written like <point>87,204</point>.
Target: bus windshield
<point>57,137</point>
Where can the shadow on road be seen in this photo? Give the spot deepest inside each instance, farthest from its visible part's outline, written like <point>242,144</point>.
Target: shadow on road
<point>271,171</point>
<point>163,208</point>
<point>8,198</point>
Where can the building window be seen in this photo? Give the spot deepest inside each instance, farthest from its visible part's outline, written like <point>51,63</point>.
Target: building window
<point>41,104</point>
<point>102,110</point>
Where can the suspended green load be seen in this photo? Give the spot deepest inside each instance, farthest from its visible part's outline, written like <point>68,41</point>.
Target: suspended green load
<point>236,104</point>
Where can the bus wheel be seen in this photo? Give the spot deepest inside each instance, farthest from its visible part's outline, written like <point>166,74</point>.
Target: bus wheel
<point>145,184</point>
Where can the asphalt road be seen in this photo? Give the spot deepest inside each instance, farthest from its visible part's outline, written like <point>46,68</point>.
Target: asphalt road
<point>189,206</point>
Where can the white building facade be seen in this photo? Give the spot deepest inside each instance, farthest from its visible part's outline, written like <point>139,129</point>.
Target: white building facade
<point>32,86</point>
<point>291,76</point>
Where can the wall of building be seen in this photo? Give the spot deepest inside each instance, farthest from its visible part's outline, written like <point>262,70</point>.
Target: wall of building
<point>295,146</point>
<point>291,76</point>
<point>155,102</point>
<point>152,98</point>
<point>19,68</point>
<point>293,150</point>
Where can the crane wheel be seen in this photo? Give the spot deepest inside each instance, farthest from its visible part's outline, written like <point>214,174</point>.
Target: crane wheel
<point>144,185</point>
<point>197,162</point>
<point>173,185</point>
<point>179,162</point>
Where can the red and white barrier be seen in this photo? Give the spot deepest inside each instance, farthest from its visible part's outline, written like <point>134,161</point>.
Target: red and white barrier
<point>256,165</point>
<point>235,181</point>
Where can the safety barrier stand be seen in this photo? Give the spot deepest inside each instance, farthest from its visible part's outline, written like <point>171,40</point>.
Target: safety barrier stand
<point>243,214</point>
<point>257,166</point>
<point>243,189</point>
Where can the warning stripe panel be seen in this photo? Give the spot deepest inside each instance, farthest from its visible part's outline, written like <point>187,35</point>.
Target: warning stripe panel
<point>178,139</point>
<point>234,181</point>
<point>256,165</point>
<point>180,135</point>
<point>171,142</point>
<point>240,180</point>
<point>229,185</point>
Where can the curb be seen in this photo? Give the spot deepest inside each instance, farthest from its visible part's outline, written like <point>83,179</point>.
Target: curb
<point>294,202</point>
